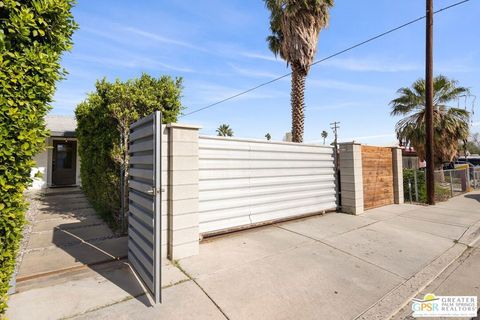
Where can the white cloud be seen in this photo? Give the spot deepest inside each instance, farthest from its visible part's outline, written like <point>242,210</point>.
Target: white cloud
<point>334,106</point>
<point>115,36</point>
<point>200,93</point>
<point>464,61</point>
<point>370,65</point>
<point>69,101</point>
<point>380,64</point>
<point>384,135</point>
<point>160,38</point>
<point>131,62</point>
<point>260,56</point>
<point>375,137</point>
<point>119,33</point>
<point>342,85</point>
<point>255,73</point>
<point>65,101</point>
<point>385,139</point>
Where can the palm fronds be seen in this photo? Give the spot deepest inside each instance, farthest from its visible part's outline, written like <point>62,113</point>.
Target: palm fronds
<point>450,124</point>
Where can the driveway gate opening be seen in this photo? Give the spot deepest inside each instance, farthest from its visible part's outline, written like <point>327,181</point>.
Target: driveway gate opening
<point>144,220</point>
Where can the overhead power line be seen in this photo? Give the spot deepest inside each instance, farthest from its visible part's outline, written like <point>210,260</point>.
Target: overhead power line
<point>326,58</point>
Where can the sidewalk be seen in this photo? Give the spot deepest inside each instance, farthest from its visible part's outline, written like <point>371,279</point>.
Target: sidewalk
<point>332,266</point>
<point>461,278</point>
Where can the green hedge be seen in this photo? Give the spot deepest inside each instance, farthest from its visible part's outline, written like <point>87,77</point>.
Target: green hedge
<point>409,185</point>
<point>442,191</point>
<point>103,119</point>
<point>33,35</point>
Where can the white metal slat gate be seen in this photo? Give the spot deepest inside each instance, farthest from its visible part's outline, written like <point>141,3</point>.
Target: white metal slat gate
<point>245,182</point>
<point>144,219</point>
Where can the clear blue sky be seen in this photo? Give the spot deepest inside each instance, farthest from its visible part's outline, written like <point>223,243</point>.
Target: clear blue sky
<point>219,49</point>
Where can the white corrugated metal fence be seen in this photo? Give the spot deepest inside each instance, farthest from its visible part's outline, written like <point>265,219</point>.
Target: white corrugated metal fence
<point>244,182</point>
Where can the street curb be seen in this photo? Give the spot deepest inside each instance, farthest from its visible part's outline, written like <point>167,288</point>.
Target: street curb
<point>395,300</point>
<point>399,297</point>
<point>471,236</point>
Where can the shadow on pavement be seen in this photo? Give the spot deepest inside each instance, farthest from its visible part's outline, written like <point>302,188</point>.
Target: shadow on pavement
<point>91,243</point>
<point>106,257</point>
<point>474,196</point>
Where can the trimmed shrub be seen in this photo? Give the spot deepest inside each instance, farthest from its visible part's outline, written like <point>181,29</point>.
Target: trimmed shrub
<point>103,129</point>
<point>409,185</point>
<point>33,35</point>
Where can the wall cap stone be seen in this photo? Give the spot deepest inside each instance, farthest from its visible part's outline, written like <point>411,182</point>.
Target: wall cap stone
<point>184,126</point>
<point>350,143</point>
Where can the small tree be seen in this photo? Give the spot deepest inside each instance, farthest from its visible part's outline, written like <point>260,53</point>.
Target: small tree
<point>268,136</point>
<point>33,36</point>
<point>224,130</point>
<point>103,132</point>
<point>324,136</point>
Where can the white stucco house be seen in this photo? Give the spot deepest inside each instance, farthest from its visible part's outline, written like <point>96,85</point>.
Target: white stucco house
<point>59,164</point>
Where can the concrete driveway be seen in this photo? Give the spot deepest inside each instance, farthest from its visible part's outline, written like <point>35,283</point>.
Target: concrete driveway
<point>335,266</point>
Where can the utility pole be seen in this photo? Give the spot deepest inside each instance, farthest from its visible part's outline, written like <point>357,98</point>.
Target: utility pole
<point>335,126</point>
<point>429,150</point>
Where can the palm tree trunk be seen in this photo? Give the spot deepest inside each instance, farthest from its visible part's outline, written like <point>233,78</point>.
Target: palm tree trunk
<point>439,173</point>
<point>298,104</point>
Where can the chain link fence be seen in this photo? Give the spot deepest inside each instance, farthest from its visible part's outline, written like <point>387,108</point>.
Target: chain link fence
<point>476,178</point>
<point>448,183</point>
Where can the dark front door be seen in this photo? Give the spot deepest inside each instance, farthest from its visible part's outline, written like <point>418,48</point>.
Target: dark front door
<point>64,163</point>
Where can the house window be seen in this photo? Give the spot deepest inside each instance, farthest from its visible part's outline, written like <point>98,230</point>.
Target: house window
<point>64,156</point>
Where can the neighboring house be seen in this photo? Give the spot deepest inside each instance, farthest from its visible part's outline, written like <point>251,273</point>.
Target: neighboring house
<point>410,159</point>
<point>59,164</point>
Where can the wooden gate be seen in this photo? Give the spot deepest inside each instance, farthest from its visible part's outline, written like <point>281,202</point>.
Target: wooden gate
<point>377,168</point>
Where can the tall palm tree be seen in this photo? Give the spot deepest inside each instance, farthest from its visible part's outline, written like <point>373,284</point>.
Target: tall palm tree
<point>295,26</point>
<point>224,130</point>
<point>450,124</point>
<point>324,136</point>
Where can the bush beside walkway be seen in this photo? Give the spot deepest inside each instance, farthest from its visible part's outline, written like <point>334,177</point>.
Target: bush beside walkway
<point>33,36</point>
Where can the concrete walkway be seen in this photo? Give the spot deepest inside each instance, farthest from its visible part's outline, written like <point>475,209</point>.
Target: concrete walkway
<point>66,233</point>
<point>334,266</point>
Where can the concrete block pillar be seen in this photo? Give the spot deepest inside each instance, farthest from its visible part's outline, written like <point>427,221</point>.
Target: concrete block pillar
<point>183,232</point>
<point>351,177</point>
<point>397,175</point>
